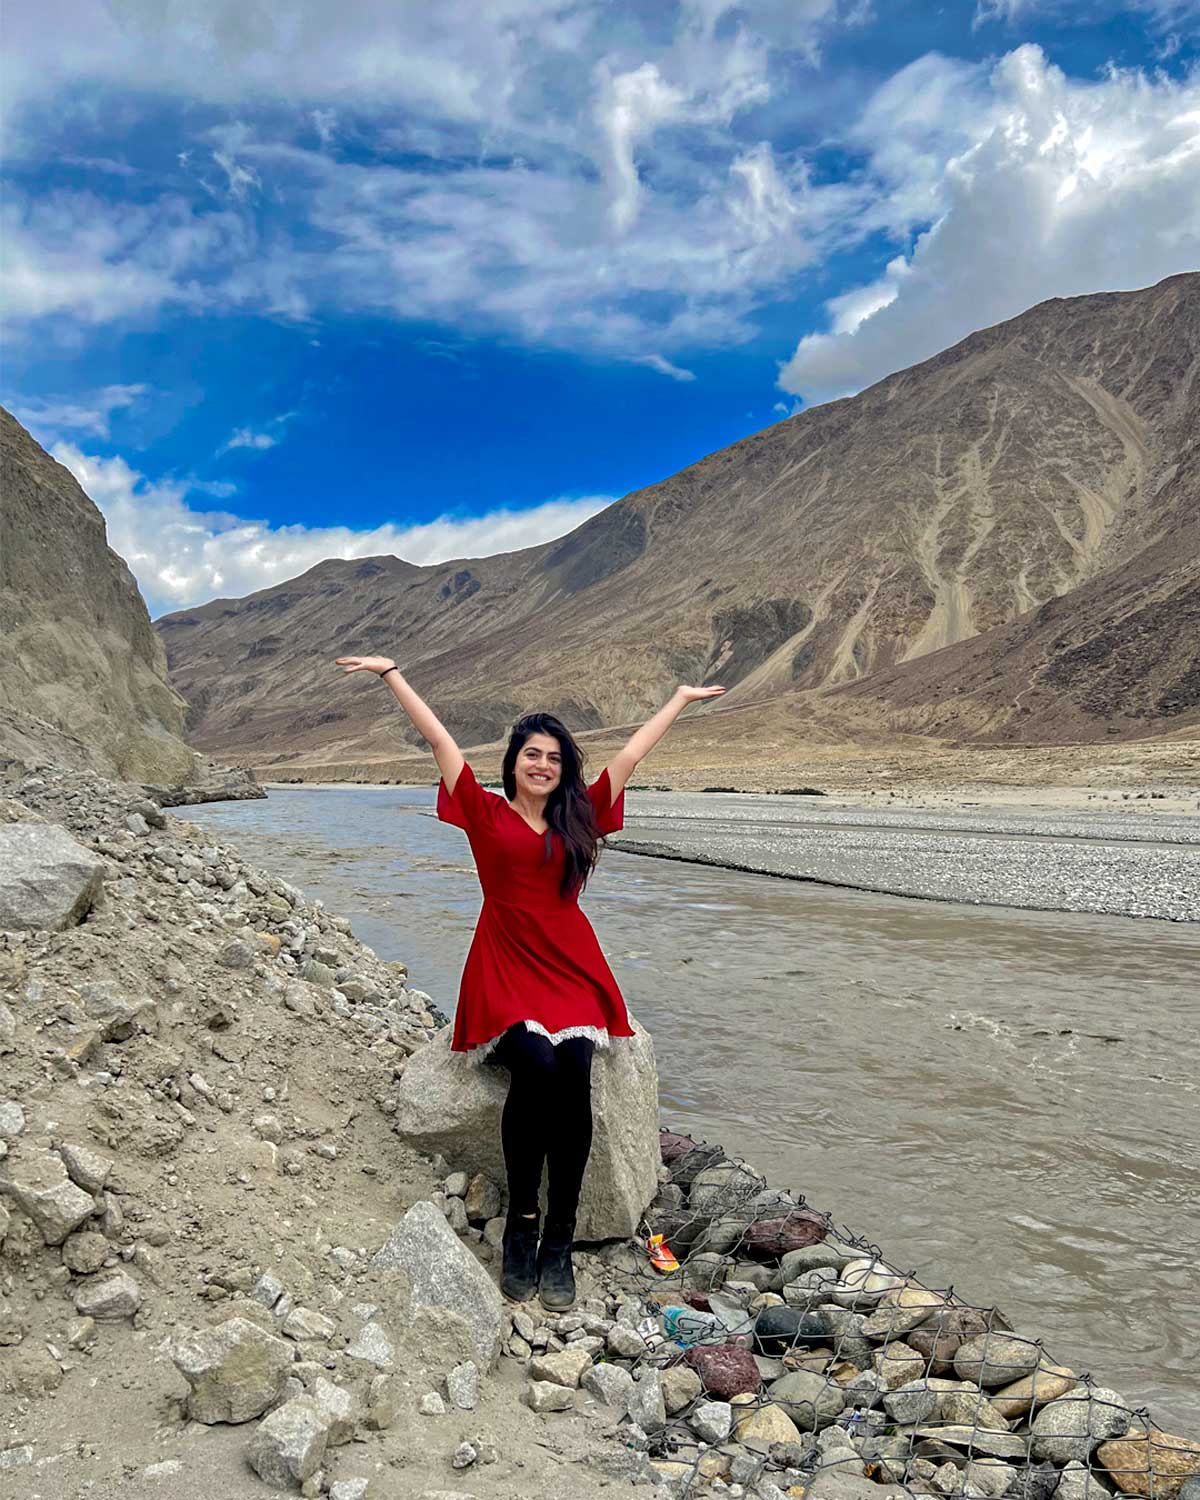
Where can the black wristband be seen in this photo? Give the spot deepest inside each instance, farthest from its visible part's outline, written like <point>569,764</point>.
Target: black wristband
<point>386,670</point>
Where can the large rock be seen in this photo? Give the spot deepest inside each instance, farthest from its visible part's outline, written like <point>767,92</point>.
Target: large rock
<point>727,1370</point>
<point>235,1370</point>
<point>723,1189</point>
<point>108,1298</point>
<point>977,1439</point>
<point>1074,1425</point>
<point>901,1310</point>
<point>762,1423</point>
<point>917,1400</point>
<point>566,1367</point>
<point>47,881</point>
<point>772,1238</point>
<point>810,1400</point>
<point>942,1334</point>
<point>609,1383</point>
<point>40,1186</point>
<point>448,1103</point>
<point>1151,1463</point>
<point>837,1483</point>
<point>445,1275</point>
<point>85,1167</point>
<point>647,1406</point>
<point>996,1359</point>
<point>1046,1383</point>
<point>289,1444</point>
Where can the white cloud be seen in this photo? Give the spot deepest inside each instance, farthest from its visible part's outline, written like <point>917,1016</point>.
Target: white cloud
<point>241,179</point>
<point>1160,13</point>
<point>95,260</point>
<point>1040,186</point>
<point>259,442</point>
<point>244,438</point>
<point>615,179</point>
<point>662,366</point>
<point>630,108</point>
<point>560,169</point>
<point>182,556</point>
<point>89,414</point>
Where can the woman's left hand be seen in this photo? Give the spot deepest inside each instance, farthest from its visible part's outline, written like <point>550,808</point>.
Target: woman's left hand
<point>698,694</point>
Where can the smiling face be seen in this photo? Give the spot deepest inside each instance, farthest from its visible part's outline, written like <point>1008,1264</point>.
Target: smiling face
<point>539,765</point>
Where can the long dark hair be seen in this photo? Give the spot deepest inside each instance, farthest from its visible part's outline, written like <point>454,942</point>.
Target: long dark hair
<point>568,808</point>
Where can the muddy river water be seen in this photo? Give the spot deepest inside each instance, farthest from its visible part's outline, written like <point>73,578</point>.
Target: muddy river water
<point>1006,1101</point>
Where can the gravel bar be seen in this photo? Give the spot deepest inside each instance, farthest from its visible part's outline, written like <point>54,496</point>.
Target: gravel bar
<point>1122,864</point>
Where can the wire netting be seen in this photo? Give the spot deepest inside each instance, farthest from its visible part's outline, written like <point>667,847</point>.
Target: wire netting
<point>782,1312</point>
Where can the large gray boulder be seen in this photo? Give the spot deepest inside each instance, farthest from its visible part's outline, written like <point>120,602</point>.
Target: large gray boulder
<point>289,1443</point>
<point>811,1400</point>
<point>445,1276</point>
<point>451,1104</point>
<point>47,881</point>
<point>1074,1426</point>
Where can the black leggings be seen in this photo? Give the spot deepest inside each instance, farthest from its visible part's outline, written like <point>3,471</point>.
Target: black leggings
<point>547,1120</point>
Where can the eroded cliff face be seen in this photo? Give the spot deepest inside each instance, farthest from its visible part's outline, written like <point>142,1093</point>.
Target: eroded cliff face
<point>985,511</point>
<point>83,674</point>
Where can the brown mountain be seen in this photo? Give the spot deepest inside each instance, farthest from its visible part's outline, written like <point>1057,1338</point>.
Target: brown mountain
<point>1026,499</point>
<point>83,676</point>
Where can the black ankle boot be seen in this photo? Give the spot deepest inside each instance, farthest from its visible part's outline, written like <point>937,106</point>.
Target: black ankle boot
<point>556,1277</point>
<point>520,1249</point>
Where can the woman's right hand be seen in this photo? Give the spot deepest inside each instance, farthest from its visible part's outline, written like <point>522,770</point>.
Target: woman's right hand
<point>377,664</point>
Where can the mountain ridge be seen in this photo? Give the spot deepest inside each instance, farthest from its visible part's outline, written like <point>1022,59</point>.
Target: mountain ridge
<point>837,548</point>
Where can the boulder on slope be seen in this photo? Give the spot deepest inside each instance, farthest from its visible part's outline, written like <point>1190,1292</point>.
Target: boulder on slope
<point>47,881</point>
<point>450,1104</point>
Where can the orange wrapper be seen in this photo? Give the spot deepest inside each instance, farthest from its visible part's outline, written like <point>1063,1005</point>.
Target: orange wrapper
<point>662,1257</point>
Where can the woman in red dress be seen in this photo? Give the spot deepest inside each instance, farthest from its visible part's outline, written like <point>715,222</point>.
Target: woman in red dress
<point>537,996</point>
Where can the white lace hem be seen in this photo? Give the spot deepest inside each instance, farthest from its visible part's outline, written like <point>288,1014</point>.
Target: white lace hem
<point>596,1034</point>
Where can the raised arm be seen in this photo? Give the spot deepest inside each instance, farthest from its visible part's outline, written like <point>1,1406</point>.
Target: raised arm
<point>640,743</point>
<point>427,724</point>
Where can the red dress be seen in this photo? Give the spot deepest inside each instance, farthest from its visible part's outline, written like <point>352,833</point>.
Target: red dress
<point>534,956</point>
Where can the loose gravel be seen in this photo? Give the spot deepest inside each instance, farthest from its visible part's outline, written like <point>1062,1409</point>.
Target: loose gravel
<point>1121,864</point>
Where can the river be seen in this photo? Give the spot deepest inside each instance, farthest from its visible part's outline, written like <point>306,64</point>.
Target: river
<point>1005,1100</point>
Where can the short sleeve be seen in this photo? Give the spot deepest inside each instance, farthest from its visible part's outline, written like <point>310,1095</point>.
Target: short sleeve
<point>468,807</point>
<point>610,815</point>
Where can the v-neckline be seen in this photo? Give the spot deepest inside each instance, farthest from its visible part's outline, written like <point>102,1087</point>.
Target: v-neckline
<point>538,833</point>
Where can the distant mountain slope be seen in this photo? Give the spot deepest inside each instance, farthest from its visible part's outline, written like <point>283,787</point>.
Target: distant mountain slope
<point>83,676</point>
<point>1120,655</point>
<point>848,545</point>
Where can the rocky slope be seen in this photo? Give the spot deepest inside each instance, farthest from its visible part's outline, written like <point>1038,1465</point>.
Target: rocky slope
<point>199,1069</point>
<point>83,676</point>
<point>1045,463</point>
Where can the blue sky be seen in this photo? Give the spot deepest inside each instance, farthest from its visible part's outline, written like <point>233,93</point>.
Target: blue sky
<point>443,281</point>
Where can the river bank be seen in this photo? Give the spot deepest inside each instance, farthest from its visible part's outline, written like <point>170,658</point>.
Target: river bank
<point>1139,860</point>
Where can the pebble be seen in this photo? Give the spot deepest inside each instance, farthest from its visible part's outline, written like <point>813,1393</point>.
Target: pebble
<point>712,1421</point>
<point>464,1456</point>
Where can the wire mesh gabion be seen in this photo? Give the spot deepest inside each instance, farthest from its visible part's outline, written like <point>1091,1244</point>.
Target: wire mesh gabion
<point>820,1369</point>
